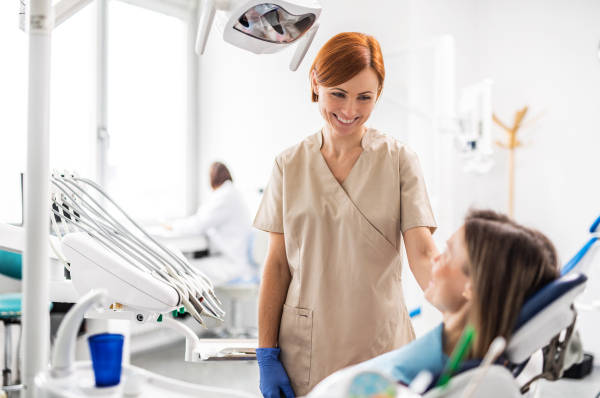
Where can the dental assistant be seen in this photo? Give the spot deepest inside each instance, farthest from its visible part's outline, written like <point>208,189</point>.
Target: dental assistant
<point>225,220</point>
<point>338,208</point>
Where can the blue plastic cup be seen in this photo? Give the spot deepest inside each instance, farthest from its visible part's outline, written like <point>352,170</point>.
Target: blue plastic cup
<point>107,353</point>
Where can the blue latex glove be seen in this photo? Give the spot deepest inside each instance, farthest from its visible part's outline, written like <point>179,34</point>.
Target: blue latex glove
<point>274,381</point>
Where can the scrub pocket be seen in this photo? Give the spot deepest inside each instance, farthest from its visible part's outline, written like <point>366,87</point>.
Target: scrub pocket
<point>295,341</point>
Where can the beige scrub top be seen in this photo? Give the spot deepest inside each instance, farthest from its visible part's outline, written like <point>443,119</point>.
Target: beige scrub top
<point>343,244</point>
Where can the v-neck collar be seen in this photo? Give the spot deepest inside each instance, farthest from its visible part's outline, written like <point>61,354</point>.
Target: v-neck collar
<point>366,142</point>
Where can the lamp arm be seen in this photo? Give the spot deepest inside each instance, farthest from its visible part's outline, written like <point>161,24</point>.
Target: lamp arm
<point>206,21</point>
<point>303,46</point>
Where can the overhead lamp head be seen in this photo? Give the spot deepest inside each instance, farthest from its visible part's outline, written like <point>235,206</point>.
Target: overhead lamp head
<point>262,26</point>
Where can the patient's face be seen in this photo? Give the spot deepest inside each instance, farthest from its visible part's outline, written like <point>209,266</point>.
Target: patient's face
<point>449,281</point>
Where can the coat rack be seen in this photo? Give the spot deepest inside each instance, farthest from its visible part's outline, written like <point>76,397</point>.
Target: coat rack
<point>512,144</point>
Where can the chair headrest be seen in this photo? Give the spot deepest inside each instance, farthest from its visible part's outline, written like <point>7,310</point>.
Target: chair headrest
<point>548,294</point>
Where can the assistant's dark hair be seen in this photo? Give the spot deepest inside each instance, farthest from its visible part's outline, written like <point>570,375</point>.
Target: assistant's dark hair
<point>219,174</point>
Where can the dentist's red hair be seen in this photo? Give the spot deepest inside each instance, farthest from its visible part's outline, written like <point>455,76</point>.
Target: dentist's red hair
<point>344,56</point>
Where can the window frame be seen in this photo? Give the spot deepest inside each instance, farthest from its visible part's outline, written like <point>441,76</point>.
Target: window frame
<point>187,11</point>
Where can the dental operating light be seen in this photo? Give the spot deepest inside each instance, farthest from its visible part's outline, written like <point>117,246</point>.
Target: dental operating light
<point>262,26</point>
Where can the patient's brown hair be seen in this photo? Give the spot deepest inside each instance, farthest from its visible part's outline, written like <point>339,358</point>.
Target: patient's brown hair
<point>508,263</point>
<point>219,174</point>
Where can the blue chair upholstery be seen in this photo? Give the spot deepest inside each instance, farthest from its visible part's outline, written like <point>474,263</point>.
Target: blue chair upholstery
<point>11,264</point>
<point>547,295</point>
<point>10,305</point>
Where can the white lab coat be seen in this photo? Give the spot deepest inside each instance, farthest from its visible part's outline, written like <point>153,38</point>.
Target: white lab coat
<point>225,220</point>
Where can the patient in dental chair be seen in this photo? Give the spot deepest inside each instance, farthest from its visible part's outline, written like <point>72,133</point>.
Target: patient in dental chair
<point>491,265</point>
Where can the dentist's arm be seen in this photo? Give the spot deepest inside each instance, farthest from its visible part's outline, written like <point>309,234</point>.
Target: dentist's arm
<point>273,291</point>
<point>420,251</point>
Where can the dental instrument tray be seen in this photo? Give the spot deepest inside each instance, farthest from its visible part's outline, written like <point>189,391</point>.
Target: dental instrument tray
<point>227,349</point>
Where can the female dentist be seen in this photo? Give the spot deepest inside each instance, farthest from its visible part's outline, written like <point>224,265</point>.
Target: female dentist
<point>337,208</point>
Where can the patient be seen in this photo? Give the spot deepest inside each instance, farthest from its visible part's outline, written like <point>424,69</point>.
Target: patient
<point>490,267</point>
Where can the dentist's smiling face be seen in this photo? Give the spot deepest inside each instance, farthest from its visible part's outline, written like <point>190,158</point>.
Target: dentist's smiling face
<point>346,107</point>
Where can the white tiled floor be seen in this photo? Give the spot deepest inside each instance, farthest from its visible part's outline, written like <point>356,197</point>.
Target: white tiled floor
<point>244,375</point>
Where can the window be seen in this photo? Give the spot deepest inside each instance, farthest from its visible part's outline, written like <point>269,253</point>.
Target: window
<point>72,90</point>
<point>147,105</point>
<point>147,111</point>
<point>71,139</point>
<point>13,110</point>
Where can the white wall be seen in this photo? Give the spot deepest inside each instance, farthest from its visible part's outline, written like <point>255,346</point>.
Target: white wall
<point>543,54</point>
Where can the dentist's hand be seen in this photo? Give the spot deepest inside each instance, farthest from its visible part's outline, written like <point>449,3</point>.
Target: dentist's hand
<point>273,378</point>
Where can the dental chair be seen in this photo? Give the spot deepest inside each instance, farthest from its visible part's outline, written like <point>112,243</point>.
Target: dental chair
<point>10,315</point>
<point>544,344</point>
<point>10,327</point>
<point>539,348</point>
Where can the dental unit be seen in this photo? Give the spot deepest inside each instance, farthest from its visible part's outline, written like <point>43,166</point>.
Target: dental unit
<point>117,271</point>
<point>112,251</point>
